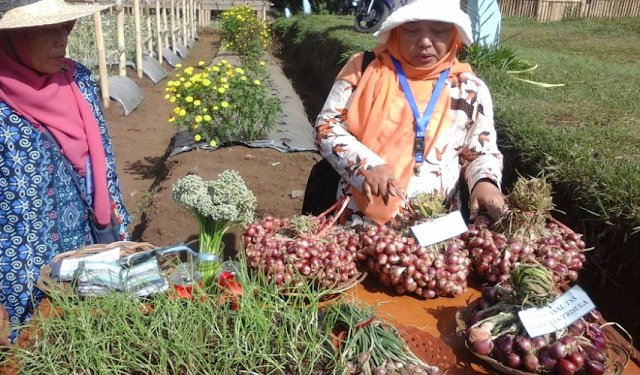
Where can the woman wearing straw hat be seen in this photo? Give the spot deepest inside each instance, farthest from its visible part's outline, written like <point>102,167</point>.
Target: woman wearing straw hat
<point>414,120</point>
<point>57,167</point>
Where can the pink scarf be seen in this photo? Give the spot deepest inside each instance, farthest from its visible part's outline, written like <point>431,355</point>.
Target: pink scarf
<point>55,101</point>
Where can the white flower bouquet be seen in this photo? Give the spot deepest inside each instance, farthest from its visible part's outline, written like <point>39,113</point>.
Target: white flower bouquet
<point>217,205</point>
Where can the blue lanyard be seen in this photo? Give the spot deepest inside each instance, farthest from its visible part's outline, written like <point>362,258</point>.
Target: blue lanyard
<point>421,122</point>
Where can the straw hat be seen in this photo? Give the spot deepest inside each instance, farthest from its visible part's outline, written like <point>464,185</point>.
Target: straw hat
<point>27,13</point>
<point>428,10</point>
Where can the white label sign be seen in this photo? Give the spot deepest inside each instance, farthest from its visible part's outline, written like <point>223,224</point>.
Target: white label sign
<point>566,309</point>
<point>440,229</point>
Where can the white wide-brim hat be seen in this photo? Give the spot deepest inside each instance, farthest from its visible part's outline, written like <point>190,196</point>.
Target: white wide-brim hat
<point>428,10</point>
<point>28,13</point>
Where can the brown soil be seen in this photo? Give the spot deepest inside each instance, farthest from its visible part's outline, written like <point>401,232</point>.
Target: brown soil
<point>142,141</point>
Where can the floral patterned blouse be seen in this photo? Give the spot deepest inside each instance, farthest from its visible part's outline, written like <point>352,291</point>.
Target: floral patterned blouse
<point>41,212</point>
<point>468,145</point>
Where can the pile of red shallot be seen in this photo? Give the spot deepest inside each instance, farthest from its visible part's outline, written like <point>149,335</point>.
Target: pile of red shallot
<point>395,257</point>
<point>525,231</point>
<point>493,329</point>
<point>303,250</point>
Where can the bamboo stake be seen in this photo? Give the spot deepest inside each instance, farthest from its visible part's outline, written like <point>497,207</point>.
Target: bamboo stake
<point>173,27</point>
<point>184,22</point>
<point>136,17</point>
<point>159,31</point>
<point>539,10</point>
<point>102,61</point>
<point>122,64</point>
<point>147,17</point>
<point>166,23</point>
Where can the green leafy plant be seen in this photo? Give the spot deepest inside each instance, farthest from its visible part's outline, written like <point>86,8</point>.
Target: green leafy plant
<point>223,102</point>
<point>242,32</point>
<point>217,205</point>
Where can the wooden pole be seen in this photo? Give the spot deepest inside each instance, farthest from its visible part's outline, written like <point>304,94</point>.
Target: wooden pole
<point>122,67</point>
<point>136,17</point>
<point>538,10</point>
<point>184,22</point>
<point>159,31</point>
<point>173,27</point>
<point>102,61</point>
<point>147,17</point>
<point>166,23</point>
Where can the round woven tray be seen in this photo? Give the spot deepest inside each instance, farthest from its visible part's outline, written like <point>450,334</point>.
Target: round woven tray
<point>617,356</point>
<point>428,348</point>
<point>62,288</point>
<point>335,291</point>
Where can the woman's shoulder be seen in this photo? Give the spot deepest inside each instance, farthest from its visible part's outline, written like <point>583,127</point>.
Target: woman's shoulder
<point>82,73</point>
<point>471,80</point>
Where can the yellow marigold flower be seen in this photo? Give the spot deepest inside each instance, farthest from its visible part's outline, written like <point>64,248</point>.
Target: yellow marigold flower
<point>172,99</point>
<point>198,118</point>
<point>188,99</point>
<point>168,89</point>
<point>239,71</point>
<point>207,118</point>
<point>197,137</point>
<point>182,113</point>
<point>178,66</point>
<point>178,96</point>
<point>206,83</point>
<point>187,84</point>
<point>182,79</point>
<point>257,82</point>
<point>205,109</point>
<point>176,110</point>
<point>215,69</point>
<point>243,78</point>
<point>213,143</point>
<point>223,80</point>
<point>215,108</point>
<point>262,63</point>
<point>226,86</point>
<point>221,90</point>
<point>229,66</point>
<point>195,126</point>
<point>172,119</point>
<point>178,75</point>
<point>223,62</point>
<point>224,104</point>
<point>196,102</point>
<point>201,63</point>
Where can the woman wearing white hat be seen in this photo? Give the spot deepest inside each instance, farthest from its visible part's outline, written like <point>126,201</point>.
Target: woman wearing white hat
<point>414,119</point>
<point>57,167</point>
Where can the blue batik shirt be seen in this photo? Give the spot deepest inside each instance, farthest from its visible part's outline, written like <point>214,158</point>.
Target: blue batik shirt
<point>41,211</point>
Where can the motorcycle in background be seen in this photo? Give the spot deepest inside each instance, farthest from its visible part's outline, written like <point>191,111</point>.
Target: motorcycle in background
<point>371,14</point>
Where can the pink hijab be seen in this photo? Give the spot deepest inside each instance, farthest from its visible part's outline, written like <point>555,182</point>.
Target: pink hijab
<point>55,101</point>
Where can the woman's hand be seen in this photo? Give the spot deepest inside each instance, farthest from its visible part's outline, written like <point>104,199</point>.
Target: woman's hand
<point>5,326</point>
<point>486,195</point>
<point>378,182</point>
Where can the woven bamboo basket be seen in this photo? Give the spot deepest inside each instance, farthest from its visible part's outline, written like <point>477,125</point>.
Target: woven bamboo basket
<point>334,291</point>
<point>428,348</point>
<point>52,286</point>
<point>617,356</point>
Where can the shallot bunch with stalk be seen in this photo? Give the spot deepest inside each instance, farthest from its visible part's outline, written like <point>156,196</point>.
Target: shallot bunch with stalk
<point>302,250</point>
<point>400,262</point>
<point>525,231</point>
<point>373,347</point>
<point>493,329</point>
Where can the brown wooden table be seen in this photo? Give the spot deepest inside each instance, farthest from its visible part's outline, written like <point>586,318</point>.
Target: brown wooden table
<point>437,316</point>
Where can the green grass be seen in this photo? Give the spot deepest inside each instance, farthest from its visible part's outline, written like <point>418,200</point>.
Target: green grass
<point>584,135</point>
